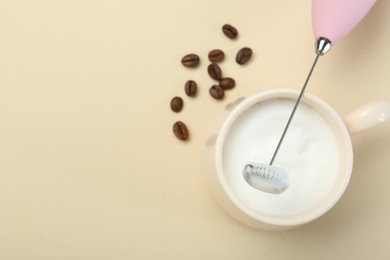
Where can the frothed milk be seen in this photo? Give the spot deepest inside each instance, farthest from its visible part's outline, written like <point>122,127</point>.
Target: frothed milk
<point>309,154</point>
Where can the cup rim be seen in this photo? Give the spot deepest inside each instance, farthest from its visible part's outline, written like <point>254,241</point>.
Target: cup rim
<point>307,98</point>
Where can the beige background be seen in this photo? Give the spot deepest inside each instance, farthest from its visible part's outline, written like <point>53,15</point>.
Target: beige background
<point>89,167</point>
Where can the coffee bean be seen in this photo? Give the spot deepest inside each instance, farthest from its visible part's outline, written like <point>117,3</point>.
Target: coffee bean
<point>176,104</point>
<point>230,31</point>
<point>180,130</point>
<point>217,92</point>
<point>214,71</point>
<point>216,55</point>
<point>191,88</point>
<point>227,83</point>
<point>243,55</point>
<point>190,60</point>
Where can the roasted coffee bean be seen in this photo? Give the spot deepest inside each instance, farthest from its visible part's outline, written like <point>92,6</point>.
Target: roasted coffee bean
<point>176,104</point>
<point>190,60</point>
<point>191,88</point>
<point>243,55</point>
<point>180,130</point>
<point>227,83</point>
<point>214,71</point>
<point>216,55</point>
<point>217,92</point>
<point>230,31</point>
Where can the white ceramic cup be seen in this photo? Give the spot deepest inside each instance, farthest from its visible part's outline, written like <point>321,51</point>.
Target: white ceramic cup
<point>242,205</point>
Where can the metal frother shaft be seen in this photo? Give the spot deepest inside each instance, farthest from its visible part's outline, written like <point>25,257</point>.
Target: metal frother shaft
<point>322,46</point>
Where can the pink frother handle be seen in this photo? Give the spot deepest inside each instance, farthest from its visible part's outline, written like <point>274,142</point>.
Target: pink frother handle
<point>333,19</point>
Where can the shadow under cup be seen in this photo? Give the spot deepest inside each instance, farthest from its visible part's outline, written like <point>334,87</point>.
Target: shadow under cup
<point>316,153</point>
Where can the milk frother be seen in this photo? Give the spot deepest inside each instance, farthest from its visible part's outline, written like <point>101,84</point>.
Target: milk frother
<point>331,21</point>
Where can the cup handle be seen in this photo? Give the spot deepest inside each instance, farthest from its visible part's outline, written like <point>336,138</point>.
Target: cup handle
<point>367,116</point>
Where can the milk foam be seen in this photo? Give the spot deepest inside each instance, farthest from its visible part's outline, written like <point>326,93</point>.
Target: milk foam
<point>309,154</point>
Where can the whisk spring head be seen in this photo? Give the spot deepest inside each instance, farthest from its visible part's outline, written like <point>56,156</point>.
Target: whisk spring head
<point>266,177</point>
